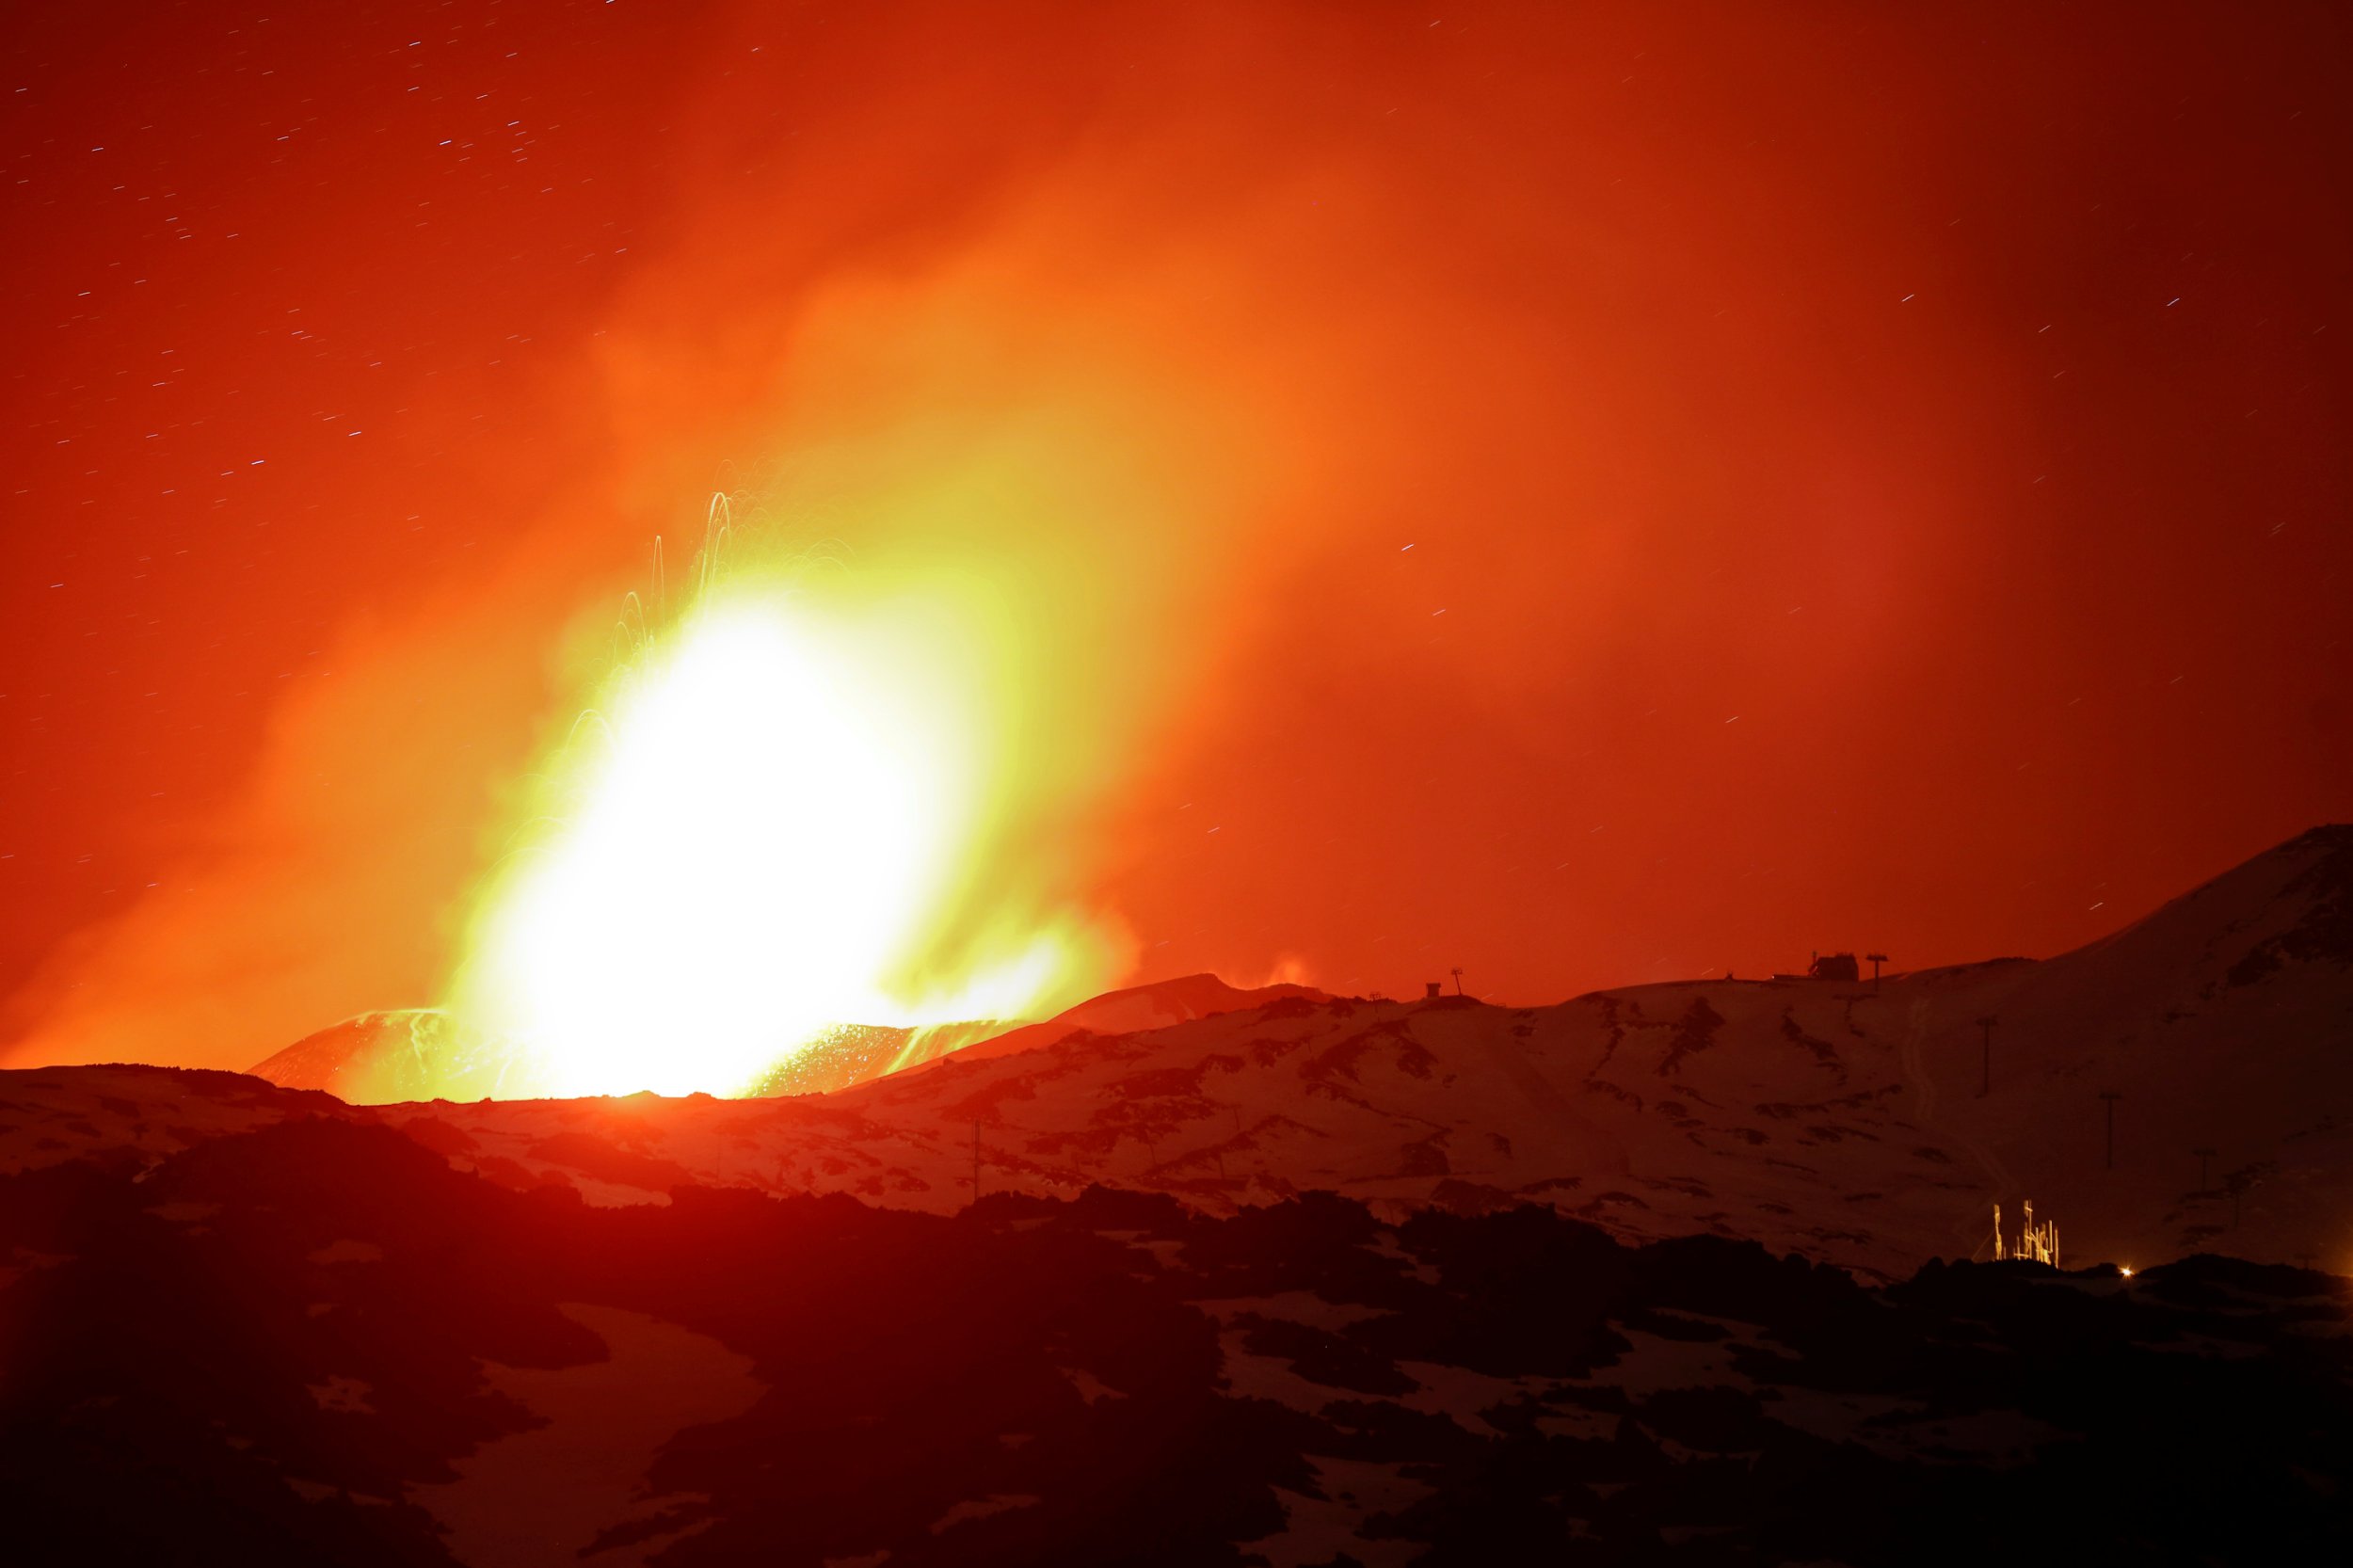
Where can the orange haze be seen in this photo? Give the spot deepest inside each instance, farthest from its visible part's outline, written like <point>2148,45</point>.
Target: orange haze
<point>1586,494</point>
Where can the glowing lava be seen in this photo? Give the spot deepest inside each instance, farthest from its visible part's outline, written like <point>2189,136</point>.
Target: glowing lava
<point>759,835</point>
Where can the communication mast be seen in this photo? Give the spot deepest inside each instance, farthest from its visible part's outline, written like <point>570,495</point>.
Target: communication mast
<point>2035,1243</point>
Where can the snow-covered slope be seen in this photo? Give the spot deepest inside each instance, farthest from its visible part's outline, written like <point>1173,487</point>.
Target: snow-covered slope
<point>1141,1007</point>
<point>1839,1120</point>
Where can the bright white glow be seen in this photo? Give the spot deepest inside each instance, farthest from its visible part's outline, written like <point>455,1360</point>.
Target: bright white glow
<point>764,832</point>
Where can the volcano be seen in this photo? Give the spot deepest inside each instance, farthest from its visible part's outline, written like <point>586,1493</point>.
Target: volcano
<point>417,1053</point>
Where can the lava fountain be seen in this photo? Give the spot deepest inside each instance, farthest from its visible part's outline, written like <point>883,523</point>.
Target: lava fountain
<point>762,830</point>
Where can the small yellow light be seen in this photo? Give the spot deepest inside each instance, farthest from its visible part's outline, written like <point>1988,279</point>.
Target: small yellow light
<point>2128,1270</point>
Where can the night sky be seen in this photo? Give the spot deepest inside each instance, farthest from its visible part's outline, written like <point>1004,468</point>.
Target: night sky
<point>1585,494</point>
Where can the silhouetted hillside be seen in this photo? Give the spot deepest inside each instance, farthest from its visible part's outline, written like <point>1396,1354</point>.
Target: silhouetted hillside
<point>318,1342</point>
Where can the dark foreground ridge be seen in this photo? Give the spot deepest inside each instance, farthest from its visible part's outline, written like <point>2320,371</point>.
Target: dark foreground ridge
<point>318,1342</point>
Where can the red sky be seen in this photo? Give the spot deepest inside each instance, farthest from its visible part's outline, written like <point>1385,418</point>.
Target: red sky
<point>1588,494</point>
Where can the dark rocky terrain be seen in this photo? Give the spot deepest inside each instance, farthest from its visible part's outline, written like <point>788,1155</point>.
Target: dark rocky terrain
<point>316,1342</point>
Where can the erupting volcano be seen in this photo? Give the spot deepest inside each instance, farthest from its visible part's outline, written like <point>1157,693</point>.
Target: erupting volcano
<point>759,833</point>
<point>1254,784</point>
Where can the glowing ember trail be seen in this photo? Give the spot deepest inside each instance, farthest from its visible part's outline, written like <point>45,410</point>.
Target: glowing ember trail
<point>758,835</point>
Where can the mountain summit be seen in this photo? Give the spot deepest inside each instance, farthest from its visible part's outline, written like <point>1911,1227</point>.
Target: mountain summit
<point>416,1053</point>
